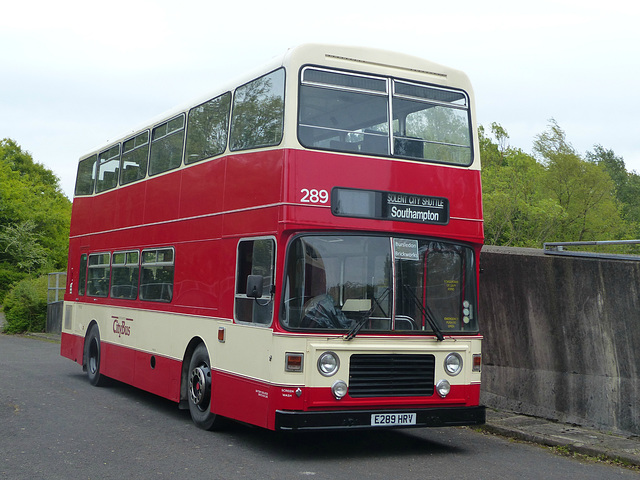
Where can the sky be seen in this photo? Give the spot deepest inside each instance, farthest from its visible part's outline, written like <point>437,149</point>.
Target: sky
<point>75,74</point>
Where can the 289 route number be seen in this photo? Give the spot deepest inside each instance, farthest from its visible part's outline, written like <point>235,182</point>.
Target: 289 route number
<point>314,196</point>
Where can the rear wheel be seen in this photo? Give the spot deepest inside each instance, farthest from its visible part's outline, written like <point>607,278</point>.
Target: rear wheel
<point>199,390</point>
<point>92,352</point>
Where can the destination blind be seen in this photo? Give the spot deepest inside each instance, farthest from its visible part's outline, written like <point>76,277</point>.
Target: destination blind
<point>347,202</point>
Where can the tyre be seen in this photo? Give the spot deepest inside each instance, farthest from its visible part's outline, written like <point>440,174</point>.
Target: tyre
<point>199,390</point>
<point>92,350</point>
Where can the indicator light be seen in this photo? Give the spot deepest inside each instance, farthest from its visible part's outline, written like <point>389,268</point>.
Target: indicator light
<point>477,363</point>
<point>293,362</point>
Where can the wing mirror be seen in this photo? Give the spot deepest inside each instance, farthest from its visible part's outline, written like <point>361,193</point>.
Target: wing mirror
<point>254,286</point>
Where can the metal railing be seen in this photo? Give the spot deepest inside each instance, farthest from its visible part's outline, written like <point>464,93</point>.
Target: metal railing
<point>558,248</point>
<point>56,285</point>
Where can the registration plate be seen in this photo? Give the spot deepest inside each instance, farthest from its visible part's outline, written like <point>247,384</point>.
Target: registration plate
<point>393,419</point>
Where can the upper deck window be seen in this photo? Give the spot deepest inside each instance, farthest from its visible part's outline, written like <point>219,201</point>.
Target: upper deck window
<point>135,155</point>
<point>207,129</point>
<point>383,116</point>
<point>258,113</point>
<point>86,175</point>
<point>348,113</point>
<point>108,169</point>
<point>167,141</point>
<point>431,124</point>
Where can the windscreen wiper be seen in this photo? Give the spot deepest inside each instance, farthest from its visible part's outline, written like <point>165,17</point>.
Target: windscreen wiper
<point>360,323</point>
<point>356,328</point>
<point>426,311</point>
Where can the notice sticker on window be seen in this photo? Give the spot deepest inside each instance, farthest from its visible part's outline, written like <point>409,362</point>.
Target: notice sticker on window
<point>404,249</point>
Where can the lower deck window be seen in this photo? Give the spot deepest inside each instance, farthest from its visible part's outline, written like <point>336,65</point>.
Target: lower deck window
<point>124,275</point>
<point>82,274</point>
<point>156,275</point>
<point>98,275</point>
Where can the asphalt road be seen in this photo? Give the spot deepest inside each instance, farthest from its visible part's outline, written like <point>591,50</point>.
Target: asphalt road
<point>54,425</point>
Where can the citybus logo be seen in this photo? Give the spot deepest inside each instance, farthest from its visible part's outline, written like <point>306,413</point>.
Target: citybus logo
<point>120,327</point>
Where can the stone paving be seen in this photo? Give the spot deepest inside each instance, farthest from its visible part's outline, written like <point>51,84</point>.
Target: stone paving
<point>573,438</point>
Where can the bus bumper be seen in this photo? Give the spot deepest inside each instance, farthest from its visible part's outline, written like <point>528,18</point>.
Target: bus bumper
<point>354,419</point>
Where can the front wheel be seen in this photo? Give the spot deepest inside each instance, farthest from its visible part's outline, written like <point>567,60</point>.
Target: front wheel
<point>92,351</point>
<point>199,390</point>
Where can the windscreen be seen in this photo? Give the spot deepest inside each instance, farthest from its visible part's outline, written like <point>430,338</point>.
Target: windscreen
<point>381,284</point>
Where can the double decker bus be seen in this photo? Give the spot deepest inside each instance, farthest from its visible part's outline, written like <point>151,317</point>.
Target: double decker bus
<point>297,250</point>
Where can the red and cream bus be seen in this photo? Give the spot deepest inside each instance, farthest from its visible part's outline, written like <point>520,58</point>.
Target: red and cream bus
<point>297,250</point>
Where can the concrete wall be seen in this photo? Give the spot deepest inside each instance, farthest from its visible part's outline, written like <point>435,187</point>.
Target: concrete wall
<point>562,337</point>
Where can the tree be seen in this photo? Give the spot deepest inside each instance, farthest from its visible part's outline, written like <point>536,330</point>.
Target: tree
<point>20,161</point>
<point>21,246</point>
<point>627,185</point>
<point>516,212</point>
<point>489,151</point>
<point>584,190</point>
<point>34,217</point>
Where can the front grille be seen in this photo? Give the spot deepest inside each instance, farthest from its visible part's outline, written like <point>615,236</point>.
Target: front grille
<point>390,375</point>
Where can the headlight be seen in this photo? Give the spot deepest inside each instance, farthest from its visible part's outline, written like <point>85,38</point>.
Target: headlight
<point>443,388</point>
<point>328,364</point>
<point>339,389</point>
<point>453,364</point>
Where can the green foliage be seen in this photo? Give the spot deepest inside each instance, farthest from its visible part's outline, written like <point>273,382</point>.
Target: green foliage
<point>31,192</point>
<point>22,247</point>
<point>516,211</point>
<point>584,190</point>
<point>34,217</point>
<point>627,186</point>
<point>557,195</point>
<point>8,277</point>
<point>25,306</point>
